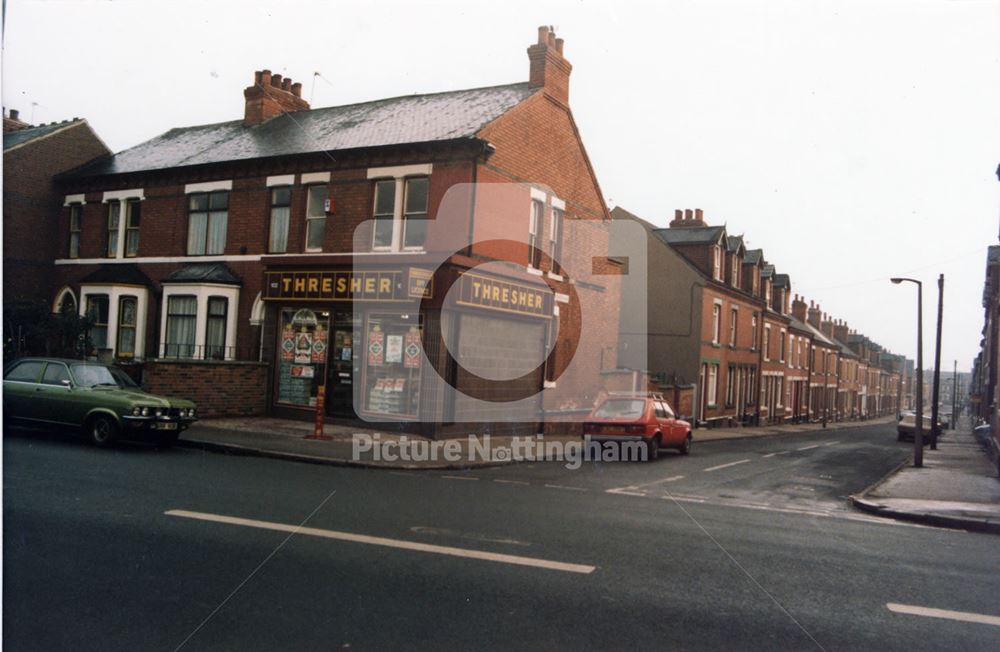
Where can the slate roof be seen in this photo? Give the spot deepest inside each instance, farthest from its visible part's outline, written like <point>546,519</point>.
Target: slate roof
<point>118,274</point>
<point>992,253</point>
<point>691,235</point>
<point>767,271</point>
<point>734,243</point>
<point>204,273</point>
<point>782,281</point>
<point>410,119</point>
<point>21,136</point>
<point>753,256</point>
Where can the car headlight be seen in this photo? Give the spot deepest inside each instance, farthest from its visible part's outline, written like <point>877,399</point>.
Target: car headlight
<point>145,411</point>
<point>159,412</point>
<point>136,411</point>
<point>191,412</point>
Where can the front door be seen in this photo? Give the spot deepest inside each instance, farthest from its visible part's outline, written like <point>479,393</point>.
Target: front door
<point>342,368</point>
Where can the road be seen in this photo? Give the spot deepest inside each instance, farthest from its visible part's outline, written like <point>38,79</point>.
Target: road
<point>744,544</point>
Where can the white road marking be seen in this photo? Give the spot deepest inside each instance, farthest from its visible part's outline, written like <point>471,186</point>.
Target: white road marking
<point>516,560</point>
<point>459,477</point>
<point>831,443</point>
<point>502,481</point>
<point>808,448</point>
<point>625,491</point>
<point>963,616</point>
<point>423,529</point>
<point>673,478</point>
<point>724,466</point>
<point>563,486</point>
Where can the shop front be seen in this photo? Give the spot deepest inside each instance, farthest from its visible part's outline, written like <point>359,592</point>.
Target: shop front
<point>381,346</point>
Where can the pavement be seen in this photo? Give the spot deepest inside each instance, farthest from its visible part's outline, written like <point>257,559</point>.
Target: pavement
<point>956,487</point>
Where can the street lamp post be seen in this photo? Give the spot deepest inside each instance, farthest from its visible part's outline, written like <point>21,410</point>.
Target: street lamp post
<point>936,394</point>
<point>918,435</point>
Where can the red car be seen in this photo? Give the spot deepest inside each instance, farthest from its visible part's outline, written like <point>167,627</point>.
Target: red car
<point>638,417</point>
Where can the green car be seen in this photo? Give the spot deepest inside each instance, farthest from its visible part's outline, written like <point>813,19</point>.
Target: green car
<point>100,399</point>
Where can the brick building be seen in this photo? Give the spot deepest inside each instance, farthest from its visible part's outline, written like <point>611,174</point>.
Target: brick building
<point>984,392</point>
<point>340,255</point>
<point>32,155</point>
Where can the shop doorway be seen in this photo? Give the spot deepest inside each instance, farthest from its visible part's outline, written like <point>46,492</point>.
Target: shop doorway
<point>342,366</point>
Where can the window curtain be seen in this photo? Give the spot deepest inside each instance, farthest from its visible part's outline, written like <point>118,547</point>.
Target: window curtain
<point>279,229</point>
<point>217,232</point>
<point>215,329</point>
<point>196,233</point>
<point>181,321</point>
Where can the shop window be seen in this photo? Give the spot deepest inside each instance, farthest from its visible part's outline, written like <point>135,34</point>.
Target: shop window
<point>392,365</point>
<point>114,224</point>
<point>208,218</point>
<point>182,315</point>
<point>534,234</point>
<point>281,206</point>
<point>302,356</point>
<point>133,211</point>
<point>127,321</point>
<point>316,217</point>
<point>97,311</point>
<point>75,228</point>
<point>215,328</point>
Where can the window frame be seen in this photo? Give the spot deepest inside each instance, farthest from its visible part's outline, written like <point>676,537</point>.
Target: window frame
<point>734,314</point>
<point>716,322</point>
<point>209,213</point>
<point>313,217</point>
<point>166,332</point>
<point>113,233</point>
<point>123,327</point>
<point>133,208</point>
<point>75,229</point>
<point>536,218</point>
<point>383,217</point>
<point>210,349</point>
<point>274,204</point>
<point>408,215</point>
<point>91,298</point>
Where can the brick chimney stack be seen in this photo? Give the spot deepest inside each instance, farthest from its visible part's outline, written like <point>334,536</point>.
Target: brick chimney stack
<point>840,330</point>
<point>814,315</point>
<point>687,218</point>
<point>549,69</point>
<point>269,96</point>
<point>12,121</point>
<point>799,308</point>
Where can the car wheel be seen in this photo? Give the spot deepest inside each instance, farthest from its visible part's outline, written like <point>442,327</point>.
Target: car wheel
<point>685,447</point>
<point>102,430</point>
<point>653,447</point>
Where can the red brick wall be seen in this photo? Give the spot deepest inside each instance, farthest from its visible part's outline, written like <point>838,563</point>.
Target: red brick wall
<point>202,382</point>
<point>30,203</point>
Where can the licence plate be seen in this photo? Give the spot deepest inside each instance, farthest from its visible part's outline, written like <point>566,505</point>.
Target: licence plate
<point>165,426</point>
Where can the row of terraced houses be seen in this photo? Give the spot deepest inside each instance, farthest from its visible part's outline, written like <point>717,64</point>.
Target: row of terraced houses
<point>283,261</point>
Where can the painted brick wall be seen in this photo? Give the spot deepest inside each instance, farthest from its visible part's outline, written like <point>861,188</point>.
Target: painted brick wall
<point>205,383</point>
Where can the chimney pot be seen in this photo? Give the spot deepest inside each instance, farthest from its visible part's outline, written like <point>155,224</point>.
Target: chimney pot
<point>550,38</point>
<point>286,85</point>
<point>698,214</point>
<point>276,80</point>
<point>265,77</point>
<point>678,214</point>
<point>297,89</point>
<point>688,214</point>
<point>14,113</point>
<point>559,45</point>
<point>543,34</point>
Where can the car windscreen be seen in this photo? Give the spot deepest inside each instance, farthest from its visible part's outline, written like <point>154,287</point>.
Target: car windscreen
<point>92,375</point>
<point>621,408</point>
<point>123,379</point>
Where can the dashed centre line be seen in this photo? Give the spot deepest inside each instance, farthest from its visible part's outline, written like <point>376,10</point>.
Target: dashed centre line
<point>808,448</point>
<point>724,466</point>
<point>459,477</point>
<point>563,486</point>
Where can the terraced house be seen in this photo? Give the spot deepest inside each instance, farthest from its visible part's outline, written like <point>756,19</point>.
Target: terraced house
<point>302,256</point>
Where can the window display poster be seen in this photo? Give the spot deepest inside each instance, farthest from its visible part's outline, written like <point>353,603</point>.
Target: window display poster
<point>288,343</point>
<point>394,349</point>
<point>303,347</point>
<point>319,345</point>
<point>376,346</point>
<point>411,348</point>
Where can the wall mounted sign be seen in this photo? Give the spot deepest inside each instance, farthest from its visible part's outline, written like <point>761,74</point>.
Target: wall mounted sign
<point>350,285</point>
<point>505,296</point>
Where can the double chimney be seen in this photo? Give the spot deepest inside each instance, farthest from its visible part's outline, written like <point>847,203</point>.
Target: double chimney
<point>271,95</point>
<point>549,68</point>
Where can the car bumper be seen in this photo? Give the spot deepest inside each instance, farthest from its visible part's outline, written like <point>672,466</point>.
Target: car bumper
<point>156,424</point>
<point>613,438</point>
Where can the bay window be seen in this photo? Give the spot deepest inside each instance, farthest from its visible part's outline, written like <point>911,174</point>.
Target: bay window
<point>128,319</point>
<point>97,311</point>
<point>199,321</point>
<point>182,314</point>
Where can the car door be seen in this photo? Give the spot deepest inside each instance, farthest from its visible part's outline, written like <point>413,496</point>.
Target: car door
<point>663,421</point>
<point>671,431</point>
<point>53,396</point>
<point>19,387</point>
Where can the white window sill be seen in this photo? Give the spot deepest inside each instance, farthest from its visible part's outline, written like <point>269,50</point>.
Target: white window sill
<point>533,271</point>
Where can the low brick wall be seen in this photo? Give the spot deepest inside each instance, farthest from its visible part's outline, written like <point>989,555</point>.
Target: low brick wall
<point>220,389</point>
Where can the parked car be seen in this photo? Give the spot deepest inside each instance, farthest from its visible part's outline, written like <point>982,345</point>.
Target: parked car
<point>100,399</point>
<point>641,418</point>
<point>906,428</point>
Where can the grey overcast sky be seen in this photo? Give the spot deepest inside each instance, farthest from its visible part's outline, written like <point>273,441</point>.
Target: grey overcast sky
<point>852,141</point>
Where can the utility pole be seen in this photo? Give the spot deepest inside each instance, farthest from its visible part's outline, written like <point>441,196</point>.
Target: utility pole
<point>935,428</point>
<point>954,398</point>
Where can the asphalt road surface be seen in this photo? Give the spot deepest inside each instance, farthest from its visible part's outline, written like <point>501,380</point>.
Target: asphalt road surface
<point>744,544</point>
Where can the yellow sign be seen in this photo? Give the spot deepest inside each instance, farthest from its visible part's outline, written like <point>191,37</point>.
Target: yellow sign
<point>507,296</point>
<point>368,285</point>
